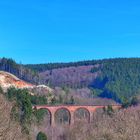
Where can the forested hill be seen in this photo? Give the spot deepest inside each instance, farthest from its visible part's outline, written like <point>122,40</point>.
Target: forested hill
<point>113,78</point>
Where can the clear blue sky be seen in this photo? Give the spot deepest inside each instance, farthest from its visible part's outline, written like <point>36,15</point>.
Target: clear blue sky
<point>38,31</point>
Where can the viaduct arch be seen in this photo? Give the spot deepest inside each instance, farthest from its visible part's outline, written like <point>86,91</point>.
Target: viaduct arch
<point>66,111</point>
<point>86,111</point>
<point>71,109</point>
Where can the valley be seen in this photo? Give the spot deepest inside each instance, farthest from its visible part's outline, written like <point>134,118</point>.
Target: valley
<point>79,87</point>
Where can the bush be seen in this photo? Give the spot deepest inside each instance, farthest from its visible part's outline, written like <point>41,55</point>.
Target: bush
<point>109,110</point>
<point>134,101</point>
<point>1,90</point>
<point>41,136</point>
<point>39,114</point>
<point>130,102</point>
<point>125,103</point>
<point>15,115</point>
<point>23,110</point>
<point>38,100</point>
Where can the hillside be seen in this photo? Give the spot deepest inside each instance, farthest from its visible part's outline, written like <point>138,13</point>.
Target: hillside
<point>74,77</point>
<point>120,125</point>
<point>123,125</point>
<point>118,79</point>
<point>8,80</point>
<point>111,78</point>
<point>9,129</point>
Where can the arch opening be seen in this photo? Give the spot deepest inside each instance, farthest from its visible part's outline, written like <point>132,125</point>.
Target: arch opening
<point>44,115</point>
<point>62,116</point>
<point>82,115</point>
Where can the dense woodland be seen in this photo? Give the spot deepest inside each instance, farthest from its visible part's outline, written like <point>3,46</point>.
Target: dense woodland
<point>118,79</point>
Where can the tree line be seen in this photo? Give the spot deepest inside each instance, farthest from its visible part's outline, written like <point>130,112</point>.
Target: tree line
<point>19,70</point>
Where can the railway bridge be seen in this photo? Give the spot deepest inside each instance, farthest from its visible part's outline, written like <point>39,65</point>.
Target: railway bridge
<point>71,109</point>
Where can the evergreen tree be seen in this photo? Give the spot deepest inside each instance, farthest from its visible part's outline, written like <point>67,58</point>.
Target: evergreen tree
<point>41,136</point>
<point>134,101</point>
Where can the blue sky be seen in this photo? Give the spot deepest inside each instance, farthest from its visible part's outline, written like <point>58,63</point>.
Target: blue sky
<point>39,31</point>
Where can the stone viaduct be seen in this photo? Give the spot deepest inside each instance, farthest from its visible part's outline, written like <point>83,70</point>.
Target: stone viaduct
<point>72,109</point>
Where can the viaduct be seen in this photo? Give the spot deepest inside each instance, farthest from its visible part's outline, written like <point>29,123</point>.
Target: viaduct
<point>72,109</point>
